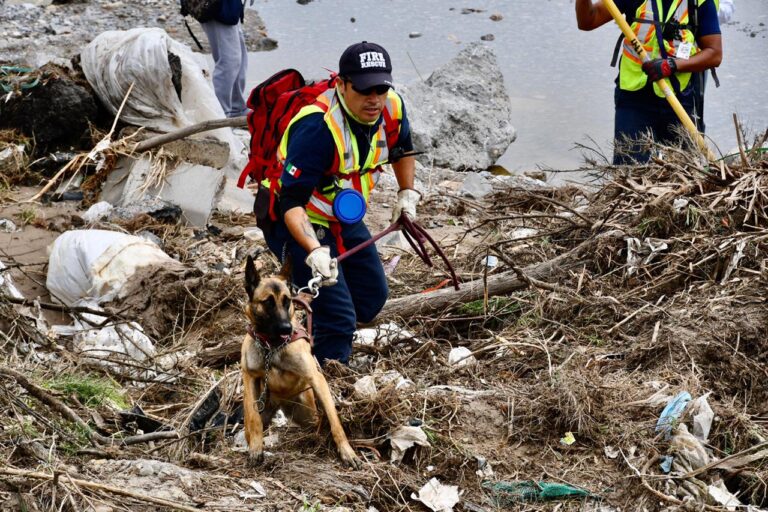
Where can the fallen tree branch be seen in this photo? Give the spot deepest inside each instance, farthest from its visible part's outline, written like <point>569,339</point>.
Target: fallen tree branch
<point>500,284</point>
<point>98,487</point>
<point>165,138</point>
<point>424,303</point>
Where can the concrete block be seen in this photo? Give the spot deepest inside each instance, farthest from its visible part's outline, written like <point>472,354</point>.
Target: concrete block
<point>193,187</point>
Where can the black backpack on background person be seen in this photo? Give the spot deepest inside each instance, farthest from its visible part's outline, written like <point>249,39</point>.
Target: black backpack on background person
<point>201,10</point>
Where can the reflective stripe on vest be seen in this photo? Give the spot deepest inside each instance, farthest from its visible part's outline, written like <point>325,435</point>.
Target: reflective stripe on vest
<point>631,75</point>
<point>350,173</point>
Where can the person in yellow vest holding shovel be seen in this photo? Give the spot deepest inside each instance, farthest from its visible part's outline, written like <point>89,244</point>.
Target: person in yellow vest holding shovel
<point>681,37</point>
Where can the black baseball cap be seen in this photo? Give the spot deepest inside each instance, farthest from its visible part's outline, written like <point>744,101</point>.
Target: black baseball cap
<point>366,65</point>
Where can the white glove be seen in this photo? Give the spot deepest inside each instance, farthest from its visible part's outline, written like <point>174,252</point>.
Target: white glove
<point>322,265</point>
<point>407,199</point>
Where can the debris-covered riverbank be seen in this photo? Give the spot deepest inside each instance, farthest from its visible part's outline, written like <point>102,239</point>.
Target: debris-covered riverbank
<point>606,350</point>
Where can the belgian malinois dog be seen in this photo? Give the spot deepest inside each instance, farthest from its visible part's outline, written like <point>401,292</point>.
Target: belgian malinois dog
<point>281,360</point>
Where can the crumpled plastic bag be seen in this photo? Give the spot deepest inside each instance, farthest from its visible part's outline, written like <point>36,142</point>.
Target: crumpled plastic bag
<point>118,58</point>
<point>403,438</point>
<point>95,264</point>
<point>438,497</point>
<point>642,253</point>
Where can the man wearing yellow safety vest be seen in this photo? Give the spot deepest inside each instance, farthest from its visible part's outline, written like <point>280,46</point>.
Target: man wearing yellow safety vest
<point>332,155</point>
<point>681,37</point>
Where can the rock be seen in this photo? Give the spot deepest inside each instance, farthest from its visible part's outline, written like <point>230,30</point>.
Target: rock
<point>496,17</point>
<point>188,191</point>
<point>461,356</point>
<point>475,186</point>
<point>461,115</point>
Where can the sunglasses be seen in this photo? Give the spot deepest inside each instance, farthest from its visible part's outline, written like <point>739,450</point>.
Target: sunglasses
<point>378,89</point>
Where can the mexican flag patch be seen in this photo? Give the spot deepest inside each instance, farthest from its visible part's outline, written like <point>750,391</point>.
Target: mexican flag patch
<point>293,171</point>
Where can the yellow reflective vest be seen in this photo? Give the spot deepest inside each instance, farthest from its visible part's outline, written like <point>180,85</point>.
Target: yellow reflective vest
<point>631,75</point>
<point>359,172</point>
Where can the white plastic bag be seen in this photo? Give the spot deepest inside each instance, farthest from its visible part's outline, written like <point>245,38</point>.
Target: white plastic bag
<point>95,264</point>
<point>116,59</point>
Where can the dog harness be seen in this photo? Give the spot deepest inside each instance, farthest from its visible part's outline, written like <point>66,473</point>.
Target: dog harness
<point>272,348</point>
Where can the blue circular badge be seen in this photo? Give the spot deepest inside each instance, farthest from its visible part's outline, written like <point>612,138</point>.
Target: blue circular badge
<point>349,206</point>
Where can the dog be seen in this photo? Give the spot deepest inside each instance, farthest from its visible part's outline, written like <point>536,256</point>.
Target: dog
<point>291,374</point>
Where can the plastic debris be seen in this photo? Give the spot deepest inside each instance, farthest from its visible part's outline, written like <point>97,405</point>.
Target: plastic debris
<point>438,497</point>
<point>392,376</point>
<point>611,452</point>
<point>510,493</point>
<point>491,261</point>
<point>259,491</point>
<point>690,454</point>
<point>738,254</point>
<point>8,226</point>
<point>383,334</point>
<point>568,439</point>
<point>703,415</point>
<point>365,387</point>
<point>680,203</point>
<point>404,438</point>
<point>720,494</point>
<point>96,264</point>
<point>672,413</point>
<point>521,233</point>
<point>642,253</point>
<point>461,356</point>
<point>484,469</point>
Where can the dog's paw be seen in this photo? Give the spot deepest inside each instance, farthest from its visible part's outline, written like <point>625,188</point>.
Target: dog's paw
<point>255,458</point>
<point>349,458</point>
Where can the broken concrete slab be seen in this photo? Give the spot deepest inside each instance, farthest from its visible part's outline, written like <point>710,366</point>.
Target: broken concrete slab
<point>193,187</point>
<point>461,115</point>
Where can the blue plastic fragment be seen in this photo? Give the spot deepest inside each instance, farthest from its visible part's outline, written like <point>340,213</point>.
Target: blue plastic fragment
<point>672,413</point>
<point>666,463</point>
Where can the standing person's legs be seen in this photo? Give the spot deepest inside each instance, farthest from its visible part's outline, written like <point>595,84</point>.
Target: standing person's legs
<point>227,48</point>
<point>631,124</point>
<point>699,81</point>
<point>238,88</point>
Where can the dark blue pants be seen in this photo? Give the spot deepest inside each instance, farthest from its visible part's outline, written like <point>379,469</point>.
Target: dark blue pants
<point>358,296</point>
<point>636,117</point>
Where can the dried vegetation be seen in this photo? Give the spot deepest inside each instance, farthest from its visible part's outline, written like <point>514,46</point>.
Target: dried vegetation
<point>660,288</point>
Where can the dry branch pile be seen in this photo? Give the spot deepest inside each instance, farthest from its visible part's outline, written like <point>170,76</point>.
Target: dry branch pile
<point>602,302</point>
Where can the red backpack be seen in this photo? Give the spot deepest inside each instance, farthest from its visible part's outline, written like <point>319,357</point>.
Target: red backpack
<point>273,104</point>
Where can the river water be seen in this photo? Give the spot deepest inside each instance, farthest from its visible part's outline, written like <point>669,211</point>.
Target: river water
<point>559,78</point>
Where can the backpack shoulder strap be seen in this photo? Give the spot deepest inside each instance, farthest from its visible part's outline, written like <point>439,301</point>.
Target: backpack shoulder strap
<point>630,17</point>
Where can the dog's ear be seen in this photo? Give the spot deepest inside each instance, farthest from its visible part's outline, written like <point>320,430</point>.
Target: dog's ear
<point>287,270</point>
<point>252,277</point>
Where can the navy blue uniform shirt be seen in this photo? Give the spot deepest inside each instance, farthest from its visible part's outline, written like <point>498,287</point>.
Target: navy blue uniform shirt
<point>708,25</point>
<point>311,152</point>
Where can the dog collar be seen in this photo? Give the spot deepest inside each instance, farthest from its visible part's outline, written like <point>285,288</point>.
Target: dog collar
<point>265,342</point>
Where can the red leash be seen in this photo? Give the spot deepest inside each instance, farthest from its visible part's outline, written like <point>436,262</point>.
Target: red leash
<point>417,236</point>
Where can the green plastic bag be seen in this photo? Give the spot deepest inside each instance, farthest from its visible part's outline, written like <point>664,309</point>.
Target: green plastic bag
<point>507,493</point>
